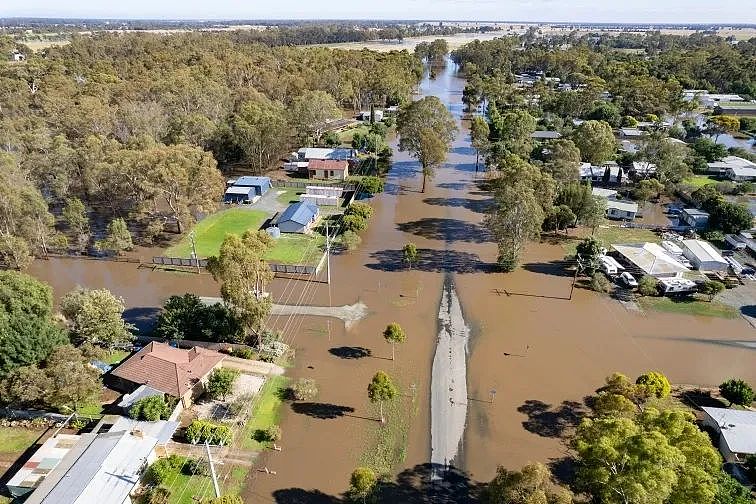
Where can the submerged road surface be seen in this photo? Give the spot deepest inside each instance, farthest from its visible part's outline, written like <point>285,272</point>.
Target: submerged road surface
<point>449,382</point>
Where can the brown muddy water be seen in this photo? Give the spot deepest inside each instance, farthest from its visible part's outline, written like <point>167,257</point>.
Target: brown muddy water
<point>541,352</point>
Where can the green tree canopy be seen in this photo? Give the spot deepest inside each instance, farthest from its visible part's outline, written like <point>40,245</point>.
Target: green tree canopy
<point>595,141</point>
<point>96,317</point>
<point>737,392</point>
<point>532,484</point>
<point>381,388</point>
<point>394,334</point>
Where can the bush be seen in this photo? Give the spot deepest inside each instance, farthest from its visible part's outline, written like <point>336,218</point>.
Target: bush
<point>243,353</point>
<point>162,468</point>
<point>221,382</point>
<point>369,185</point>
<point>737,392</point>
<point>600,283</point>
<point>196,466</point>
<point>200,431</point>
<point>159,495</point>
<point>648,286</point>
<point>304,389</point>
<point>358,208</point>
<point>654,383</point>
<point>151,409</point>
<point>350,240</point>
<point>224,499</point>
<point>268,435</point>
<point>353,223</point>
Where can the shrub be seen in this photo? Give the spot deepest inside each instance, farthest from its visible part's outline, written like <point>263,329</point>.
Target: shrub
<point>268,435</point>
<point>151,408</point>
<point>350,240</point>
<point>647,286</point>
<point>737,392</point>
<point>304,389</point>
<point>243,353</point>
<point>600,283</point>
<point>196,466</point>
<point>224,499</point>
<point>711,288</point>
<point>221,382</point>
<point>200,431</point>
<point>654,383</point>
<point>362,209</point>
<point>159,495</point>
<point>369,185</point>
<point>162,468</point>
<point>354,223</point>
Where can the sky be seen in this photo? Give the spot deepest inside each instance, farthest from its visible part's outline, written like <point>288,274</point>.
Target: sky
<point>612,11</point>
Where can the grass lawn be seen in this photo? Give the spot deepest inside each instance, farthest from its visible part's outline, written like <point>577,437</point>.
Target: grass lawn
<point>17,439</point>
<point>288,194</point>
<point>609,234</point>
<point>700,180</point>
<point>266,412</point>
<point>91,410</point>
<point>116,356</point>
<point>210,231</point>
<point>184,487</point>
<point>294,248</point>
<point>689,306</point>
<point>347,135</point>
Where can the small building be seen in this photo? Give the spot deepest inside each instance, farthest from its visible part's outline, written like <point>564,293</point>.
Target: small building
<point>545,135</point>
<point>328,169</point>
<point>295,166</point>
<point>652,259</point>
<point>321,153</point>
<point>629,146</point>
<point>161,430</point>
<point>703,256</point>
<point>644,169</point>
<point>695,218</point>
<point>677,285</point>
<point>101,468</point>
<point>630,133</point>
<point>746,109</point>
<point>173,371</point>
<point>741,173</point>
<point>237,194</point>
<point>322,195</point>
<point>624,210</point>
<point>720,167</point>
<point>736,430</point>
<point>42,462</point>
<point>261,185</point>
<point>298,218</point>
<point>365,115</point>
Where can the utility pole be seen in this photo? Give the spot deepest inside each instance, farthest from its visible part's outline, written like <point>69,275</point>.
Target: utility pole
<point>194,251</point>
<point>328,253</point>
<point>212,469</point>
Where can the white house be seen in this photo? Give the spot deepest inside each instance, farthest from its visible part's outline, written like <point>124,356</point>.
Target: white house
<point>736,430</point>
<point>703,256</point>
<point>720,167</point>
<point>741,173</point>
<point>624,210</point>
<point>644,168</point>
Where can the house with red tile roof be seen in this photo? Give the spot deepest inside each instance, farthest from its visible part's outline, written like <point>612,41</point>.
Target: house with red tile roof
<point>173,371</point>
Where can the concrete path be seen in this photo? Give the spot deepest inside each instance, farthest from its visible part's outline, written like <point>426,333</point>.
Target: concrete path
<point>350,314</point>
<point>449,382</point>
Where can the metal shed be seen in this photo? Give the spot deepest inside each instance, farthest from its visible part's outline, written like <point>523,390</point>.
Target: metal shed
<point>236,194</point>
<point>261,185</point>
<point>298,218</point>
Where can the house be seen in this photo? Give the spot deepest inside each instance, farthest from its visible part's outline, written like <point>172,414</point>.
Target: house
<point>545,135</point>
<point>313,153</point>
<point>703,256</point>
<point>736,430</point>
<point>101,468</point>
<point>741,173</point>
<point>615,173</point>
<point>325,169</point>
<point>630,133</point>
<point>365,115</point>
<point>695,218</point>
<point>173,371</point>
<point>624,210</point>
<point>261,185</point>
<point>747,109</point>
<point>720,167</point>
<point>41,463</point>
<point>652,259</point>
<point>298,218</point>
<point>628,146</point>
<point>644,169</point>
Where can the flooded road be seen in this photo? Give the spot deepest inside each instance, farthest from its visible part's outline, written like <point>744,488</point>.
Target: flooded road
<point>542,352</point>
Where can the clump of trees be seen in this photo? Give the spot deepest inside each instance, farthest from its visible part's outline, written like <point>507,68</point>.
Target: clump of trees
<point>356,217</point>
<point>305,389</point>
<point>151,408</point>
<point>533,483</point>
<point>95,316</point>
<point>200,431</point>
<point>187,317</point>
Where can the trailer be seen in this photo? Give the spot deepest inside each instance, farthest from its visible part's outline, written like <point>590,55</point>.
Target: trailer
<point>677,286</point>
<point>735,242</point>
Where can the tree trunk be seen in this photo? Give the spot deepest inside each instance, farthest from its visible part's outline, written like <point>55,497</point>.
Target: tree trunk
<point>178,225</point>
<point>393,346</point>
<point>477,158</point>
<point>380,405</point>
<point>424,177</point>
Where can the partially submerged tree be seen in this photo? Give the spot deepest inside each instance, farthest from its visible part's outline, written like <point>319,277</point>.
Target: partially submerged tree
<point>380,389</point>
<point>118,238</point>
<point>394,334</point>
<point>426,130</point>
<point>532,484</point>
<point>362,483</point>
<point>479,132</point>
<point>409,251</point>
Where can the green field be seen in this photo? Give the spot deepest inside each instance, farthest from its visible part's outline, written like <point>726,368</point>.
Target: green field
<point>608,234</point>
<point>699,181</point>
<point>266,412</point>
<point>17,439</point>
<point>210,231</point>
<point>688,306</point>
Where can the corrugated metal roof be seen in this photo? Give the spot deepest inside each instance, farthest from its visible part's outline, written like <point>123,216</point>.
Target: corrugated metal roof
<point>651,258</point>
<point>142,392</point>
<point>738,428</point>
<point>703,251</point>
<point>301,213</point>
<point>249,181</point>
<point>44,460</point>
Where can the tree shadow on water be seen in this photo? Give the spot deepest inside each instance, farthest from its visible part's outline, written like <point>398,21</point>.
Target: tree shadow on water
<point>346,352</point>
<point>324,411</point>
<point>431,260</point>
<point>450,230</point>
<point>549,421</point>
<point>474,205</point>
<point>415,485</point>
<point>143,318</point>
<point>553,268</point>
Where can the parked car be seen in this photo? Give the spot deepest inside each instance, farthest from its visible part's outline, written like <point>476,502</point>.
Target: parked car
<point>627,279</point>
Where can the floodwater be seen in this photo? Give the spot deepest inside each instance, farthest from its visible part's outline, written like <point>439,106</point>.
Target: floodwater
<point>540,350</point>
